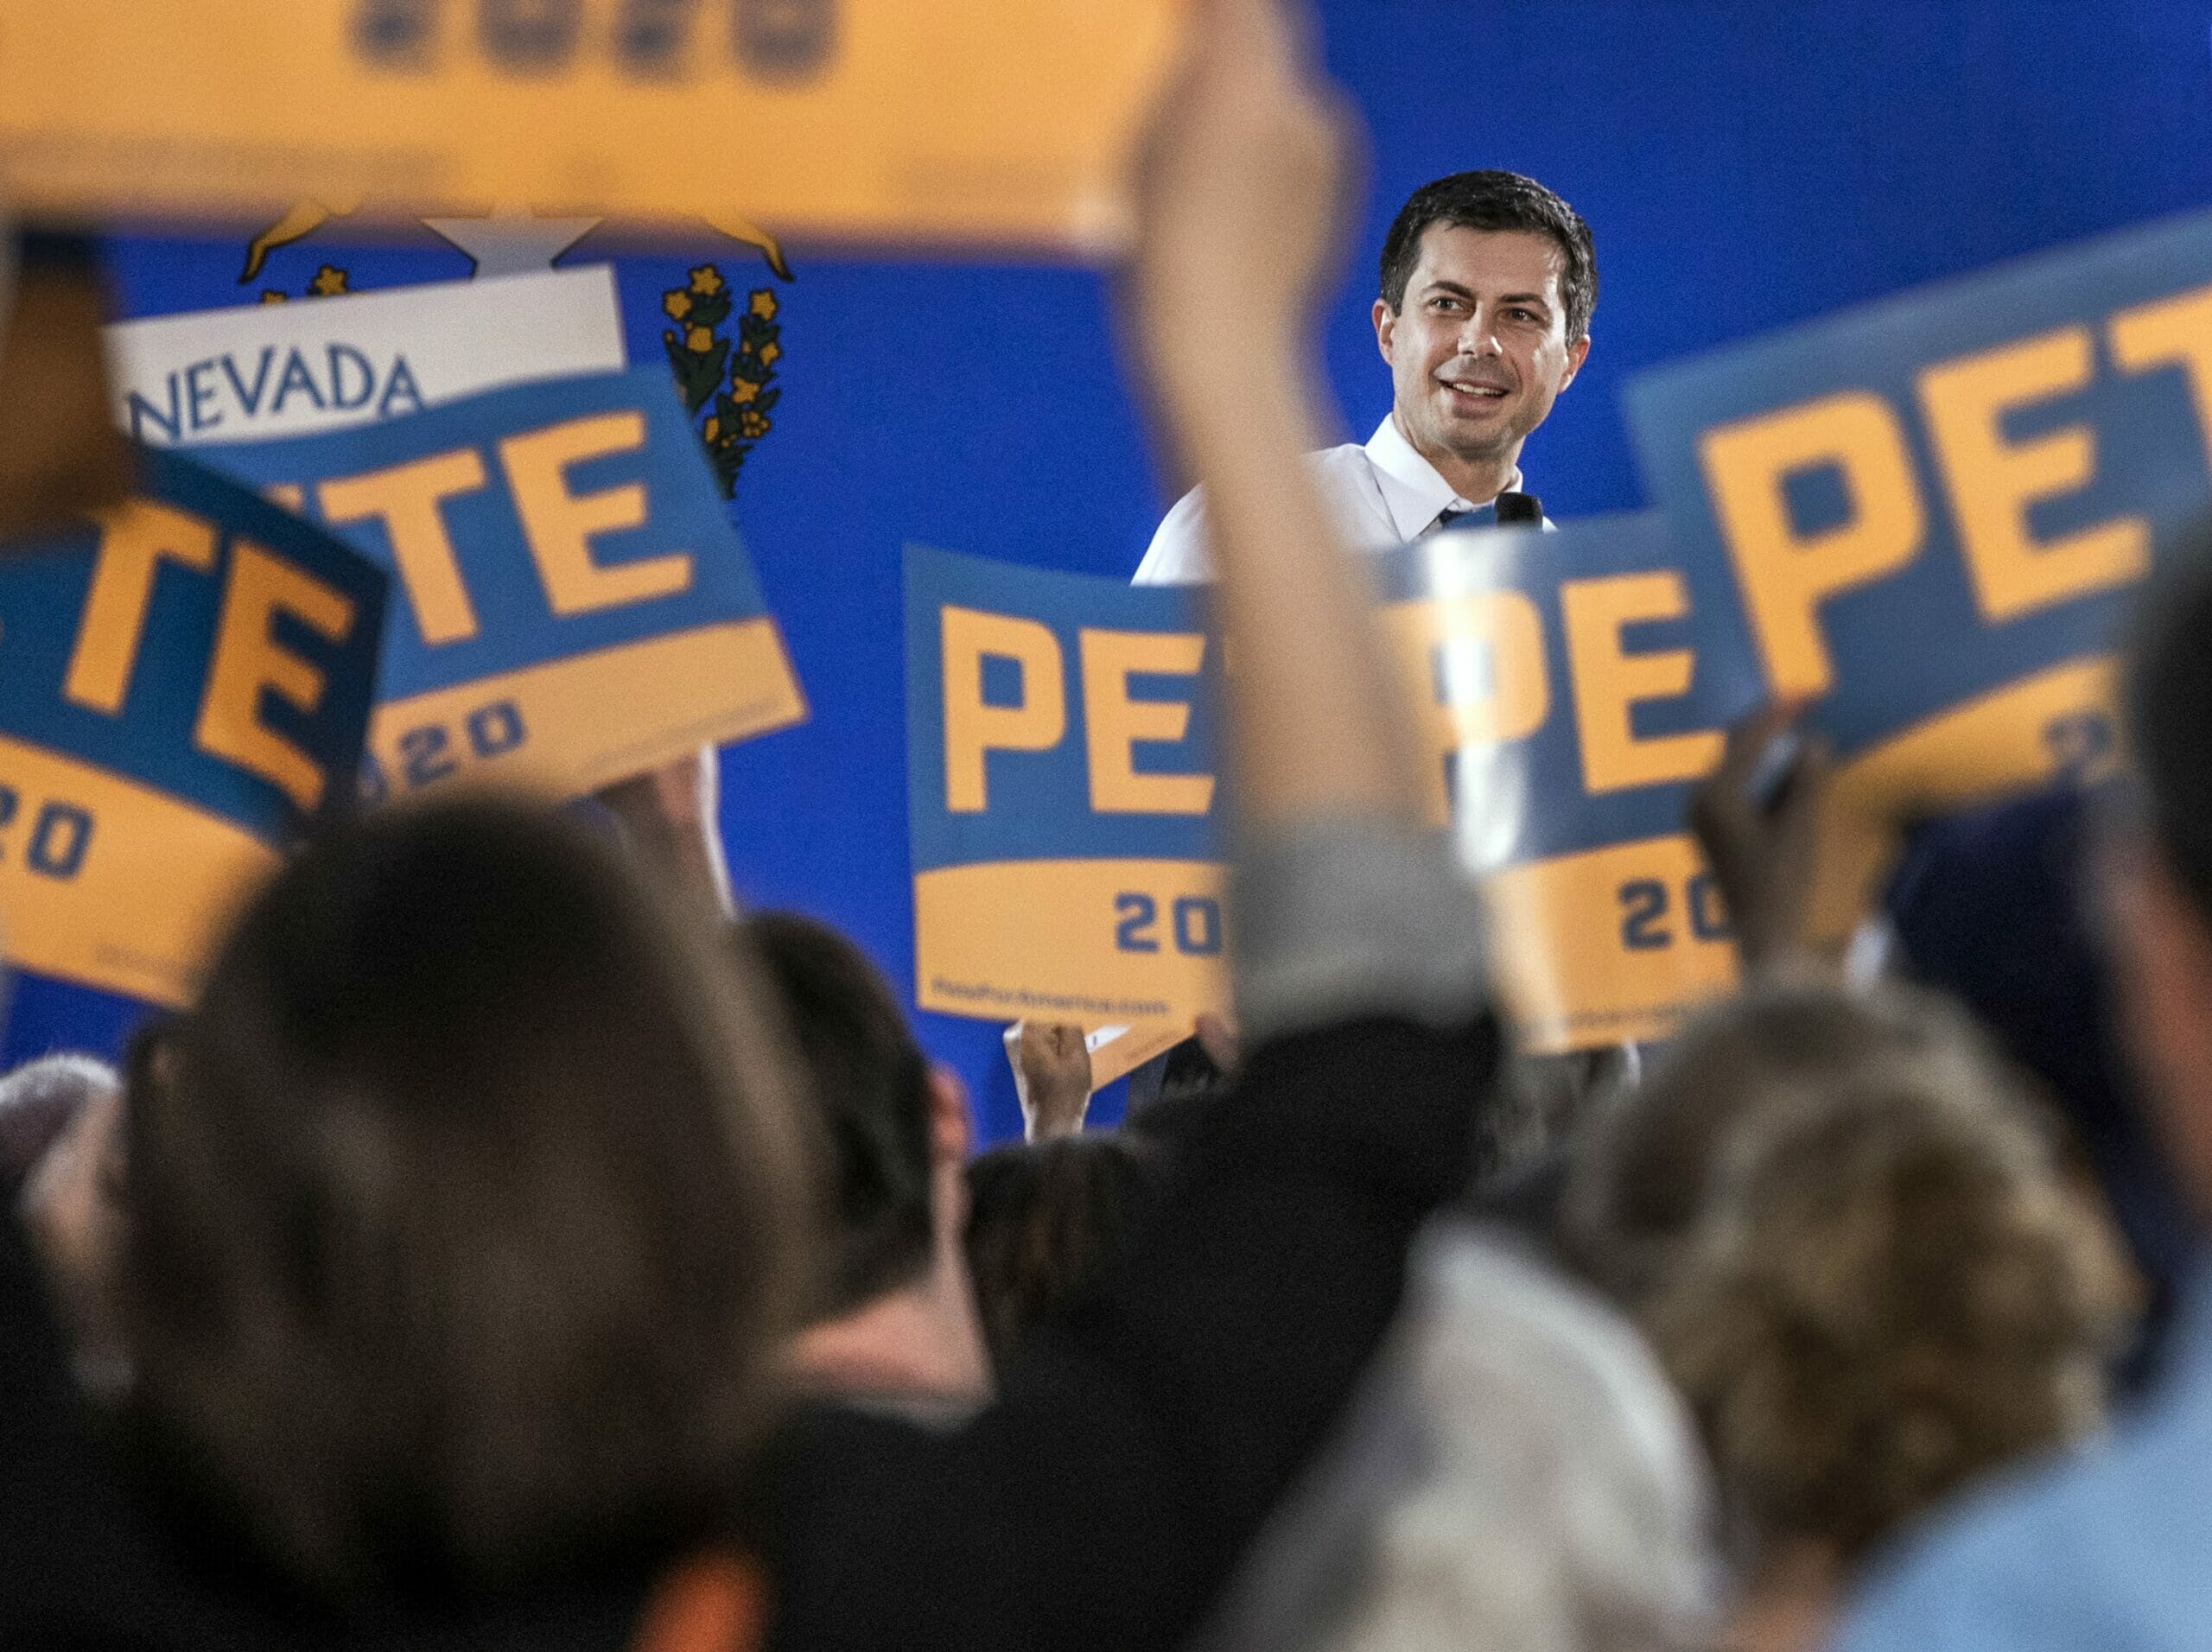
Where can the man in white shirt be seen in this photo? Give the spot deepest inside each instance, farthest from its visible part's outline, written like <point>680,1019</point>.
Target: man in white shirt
<point>1488,282</point>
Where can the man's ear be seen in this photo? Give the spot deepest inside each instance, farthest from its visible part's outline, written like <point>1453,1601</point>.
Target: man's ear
<point>952,1133</point>
<point>1386,328</point>
<point>1577,353</point>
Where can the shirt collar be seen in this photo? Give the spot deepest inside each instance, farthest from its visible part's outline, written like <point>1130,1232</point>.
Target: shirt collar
<point>1413,489</point>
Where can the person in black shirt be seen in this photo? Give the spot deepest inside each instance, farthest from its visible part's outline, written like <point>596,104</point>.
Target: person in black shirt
<point>1103,1499</point>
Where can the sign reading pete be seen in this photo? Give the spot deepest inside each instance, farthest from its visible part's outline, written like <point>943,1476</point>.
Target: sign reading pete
<point>957,120</point>
<point>1060,796</point>
<point>1064,807</point>
<point>183,685</point>
<point>1927,515</point>
<point>573,607</point>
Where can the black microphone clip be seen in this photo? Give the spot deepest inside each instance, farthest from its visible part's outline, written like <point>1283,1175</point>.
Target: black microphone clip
<point>1519,510</point>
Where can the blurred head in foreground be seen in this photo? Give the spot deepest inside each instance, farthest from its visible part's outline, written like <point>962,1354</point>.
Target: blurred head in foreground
<point>1890,1289</point>
<point>466,1211</point>
<point>1516,1476</point>
<point>1640,1179</point>
<point>897,1317</point>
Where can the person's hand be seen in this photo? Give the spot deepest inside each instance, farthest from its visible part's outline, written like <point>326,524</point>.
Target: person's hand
<point>1240,195</point>
<point>1217,1036</point>
<point>1054,1062</point>
<point>1759,828</point>
<point>669,816</point>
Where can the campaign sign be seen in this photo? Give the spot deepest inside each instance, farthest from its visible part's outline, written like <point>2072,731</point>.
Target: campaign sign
<point>957,120</point>
<point>256,371</point>
<point>1061,796</point>
<point>1927,515</point>
<point>572,606</point>
<point>1568,692</point>
<point>1572,688</point>
<point>183,683</point>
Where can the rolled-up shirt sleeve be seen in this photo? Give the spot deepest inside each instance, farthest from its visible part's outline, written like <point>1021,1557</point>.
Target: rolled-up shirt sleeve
<point>1177,554</point>
<point>1345,919</point>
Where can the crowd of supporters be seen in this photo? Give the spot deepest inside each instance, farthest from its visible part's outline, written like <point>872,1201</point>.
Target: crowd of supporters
<point>503,1251</point>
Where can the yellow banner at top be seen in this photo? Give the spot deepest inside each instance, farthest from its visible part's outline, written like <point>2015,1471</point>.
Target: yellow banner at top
<point>953,121</point>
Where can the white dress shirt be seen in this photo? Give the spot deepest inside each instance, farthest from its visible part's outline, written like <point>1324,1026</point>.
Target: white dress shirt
<point>1384,495</point>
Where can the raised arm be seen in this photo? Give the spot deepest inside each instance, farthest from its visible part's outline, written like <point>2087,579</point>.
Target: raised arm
<point>1343,905</point>
<point>1243,190</point>
<point>1103,1500</point>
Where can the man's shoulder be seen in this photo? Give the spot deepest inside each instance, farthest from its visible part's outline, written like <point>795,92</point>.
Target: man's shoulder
<point>2111,1544</point>
<point>1177,553</point>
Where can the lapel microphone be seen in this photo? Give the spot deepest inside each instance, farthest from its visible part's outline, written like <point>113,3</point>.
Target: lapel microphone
<point>1519,510</point>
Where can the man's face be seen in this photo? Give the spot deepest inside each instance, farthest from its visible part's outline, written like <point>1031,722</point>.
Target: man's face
<point>1478,351</point>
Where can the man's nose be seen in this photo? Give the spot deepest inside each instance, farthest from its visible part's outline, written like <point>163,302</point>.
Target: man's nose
<point>1478,335</point>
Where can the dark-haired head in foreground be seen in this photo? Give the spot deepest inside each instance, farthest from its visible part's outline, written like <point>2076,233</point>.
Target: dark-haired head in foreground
<point>896,1322</point>
<point>466,1211</point>
<point>1048,1223</point>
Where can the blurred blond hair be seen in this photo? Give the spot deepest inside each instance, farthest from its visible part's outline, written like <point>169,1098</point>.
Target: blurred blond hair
<point>1892,1288</point>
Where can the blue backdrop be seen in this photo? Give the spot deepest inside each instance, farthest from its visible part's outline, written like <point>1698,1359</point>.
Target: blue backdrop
<point>1742,166</point>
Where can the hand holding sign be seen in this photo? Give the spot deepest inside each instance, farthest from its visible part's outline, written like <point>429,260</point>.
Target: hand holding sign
<point>1566,694</point>
<point>58,456</point>
<point>1927,515</point>
<point>1757,819</point>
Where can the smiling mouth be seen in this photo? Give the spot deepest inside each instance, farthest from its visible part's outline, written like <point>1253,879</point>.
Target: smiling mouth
<point>1475,393</point>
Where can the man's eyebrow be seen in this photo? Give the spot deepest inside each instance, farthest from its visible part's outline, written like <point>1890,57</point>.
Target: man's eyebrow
<point>1459,290</point>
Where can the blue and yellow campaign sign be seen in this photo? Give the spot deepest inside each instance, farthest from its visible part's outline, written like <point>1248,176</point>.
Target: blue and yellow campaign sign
<point>1060,795</point>
<point>571,606</point>
<point>957,120</point>
<point>1574,688</point>
<point>183,683</point>
<point>1065,808</point>
<point>1927,515</point>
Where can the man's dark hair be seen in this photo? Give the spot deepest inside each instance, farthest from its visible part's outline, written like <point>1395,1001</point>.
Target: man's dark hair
<point>2168,708</point>
<point>466,1212</point>
<point>1048,1223</point>
<point>872,1083</point>
<point>1494,200</point>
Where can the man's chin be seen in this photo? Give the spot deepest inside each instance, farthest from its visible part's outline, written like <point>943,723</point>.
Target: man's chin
<point>1480,435</point>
